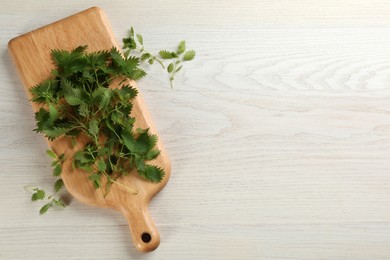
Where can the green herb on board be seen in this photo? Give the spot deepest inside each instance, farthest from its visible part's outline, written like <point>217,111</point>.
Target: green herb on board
<point>90,95</point>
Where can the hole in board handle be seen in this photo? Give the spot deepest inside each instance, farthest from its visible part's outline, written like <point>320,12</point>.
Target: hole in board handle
<point>146,237</point>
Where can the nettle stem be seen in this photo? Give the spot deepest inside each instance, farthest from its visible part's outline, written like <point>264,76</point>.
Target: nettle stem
<point>127,188</point>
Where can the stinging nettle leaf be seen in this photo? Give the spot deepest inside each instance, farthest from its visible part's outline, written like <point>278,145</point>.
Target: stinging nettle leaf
<point>51,154</point>
<point>101,165</point>
<point>129,43</point>
<point>44,209</point>
<point>57,170</point>
<point>93,127</point>
<point>55,132</point>
<point>132,31</point>
<point>170,68</point>
<point>74,142</point>
<point>140,39</point>
<point>189,55</point>
<point>145,56</point>
<point>128,92</point>
<point>84,110</point>
<point>142,130</point>
<point>179,68</point>
<point>140,164</point>
<point>59,203</point>
<point>152,173</point>
<point>53,113</point>
<point>38,195</point>
<point>80,49</point>
<point>117,57</point>
<point>58,185</point>
<point>138,74</point>
<point>166,54</point>
<point>72,95</point>
<point>152,154</point>
<point>182,47</point>
<point>95,178</point>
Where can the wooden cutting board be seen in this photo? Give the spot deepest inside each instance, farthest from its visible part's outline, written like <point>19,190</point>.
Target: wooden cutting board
<point>31,54</point>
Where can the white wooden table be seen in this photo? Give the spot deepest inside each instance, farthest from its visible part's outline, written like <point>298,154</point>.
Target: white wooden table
<point>278,132</point>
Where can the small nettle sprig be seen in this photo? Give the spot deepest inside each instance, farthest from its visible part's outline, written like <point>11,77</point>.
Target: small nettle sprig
<point>89,96</point>
<point>40,194</point>
<point>134,44</point>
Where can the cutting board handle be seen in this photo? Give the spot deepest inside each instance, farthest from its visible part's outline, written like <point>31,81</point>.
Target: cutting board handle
<point>143,231</point>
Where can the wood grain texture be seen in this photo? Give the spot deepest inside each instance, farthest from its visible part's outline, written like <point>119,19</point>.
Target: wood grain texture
<point>31,55</point>
<point>278,132</point>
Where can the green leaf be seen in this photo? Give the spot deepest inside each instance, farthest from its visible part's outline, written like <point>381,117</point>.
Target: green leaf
<point>55,132</point>
<point>95,178</point>
<point>149,140</point>
<point>101,165</point>
<point>181,48</point>
<point>44,92</point>
<point>57,170</point>
<point>103,151</point>
<point>74,96</point>
<point>140,39</point>
<point>93,127</point>
<point>53,113</point>
<point>152,154</point>
<point>170,68</point>
<point>86,167</point>
<point>97,59</point>
<point>131,63</point>
<point>80,49</point>
<point>61,157</point>
<point>189,55</point>
<point>105,99</point>
<point>139,146</point>
<point>59,203</point>
<point>42,120</point>
<point>128,140</point>
<point>140,164</point>
<point>102,96</point>
<point>74,143</point>
<point>128,92</point>
<point>58,185</point>
<point>145,56</point>
<point>129,43</point>
<point>38,195</point>
<point>69,62</point>
<point>142,130</point>
<point>167,54</point>
<point>117,58</point>
<point>51,154</point>
<point>179,68</point>
<point>152,173</point>
<point>84,110</point>
<point>132,31</point>
<point>138,74</point>
<point>44,209</point>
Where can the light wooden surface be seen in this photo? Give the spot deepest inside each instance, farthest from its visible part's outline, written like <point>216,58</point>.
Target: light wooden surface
<point>31,54</point>
<point>278,133</point>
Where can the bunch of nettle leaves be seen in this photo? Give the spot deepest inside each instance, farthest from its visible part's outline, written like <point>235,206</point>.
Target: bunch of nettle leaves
<point>88,96</point>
